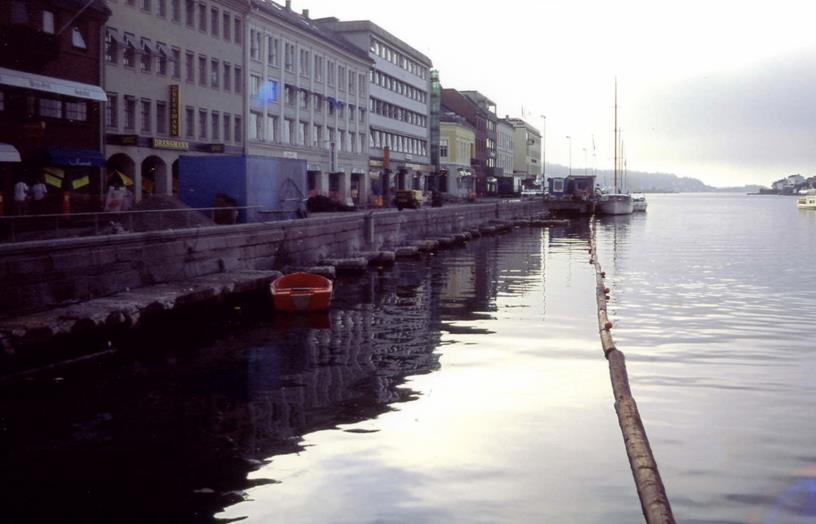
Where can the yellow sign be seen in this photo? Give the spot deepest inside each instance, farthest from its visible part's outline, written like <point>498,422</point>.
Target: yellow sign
<point>81,182</point>
<point>166,143</point>
<point>175,103</point>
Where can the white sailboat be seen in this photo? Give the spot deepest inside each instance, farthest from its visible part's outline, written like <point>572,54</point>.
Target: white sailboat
<point>618,202</point>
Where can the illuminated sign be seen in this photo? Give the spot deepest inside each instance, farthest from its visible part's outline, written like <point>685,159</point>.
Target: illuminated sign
<point>175,102</point>
<point>165,143</point>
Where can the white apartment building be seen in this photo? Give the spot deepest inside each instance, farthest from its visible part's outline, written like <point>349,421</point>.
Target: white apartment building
<point>505,133</point>
<point>308,99</point>
<point>174,77</point>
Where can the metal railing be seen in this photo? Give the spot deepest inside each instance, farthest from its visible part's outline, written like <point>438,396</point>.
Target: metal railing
<point>22,228</point>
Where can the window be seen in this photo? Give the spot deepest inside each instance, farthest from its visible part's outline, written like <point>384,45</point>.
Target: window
<point>315,139</point>
<point>130,113</point>
<point>303,100</point>
<point>77,40</point>
<point>146,115</point>
<point>202,70</point>
<point>76,111</point>
<point>48,22</point>
<point>215,120</point>
<point>227,78</point>
<point>50,108</point>
<point>238,81</point>
<point>162,8</point>
<point>146,60</point>
<point>161,58</point>
<point>112,111</point>
<point>226,25</point>
<point>189,66</point>
<point>202,18</point>
<point>227,128</point>
<point>443,148</point>
<point>176,63</point>
<point>289,57</point>
<point>215,70</point>
<point>330,74</point>
<point>254,45</point>
<point>304,63</point>
<point>301,133</point>
<point>237,127</point>
<point>288,131</point>
<point>362,115</point>
<point>19,12</point>
<point>175,9</point>
<point>189,122</point>
<point>254,85</point>
<point>111,48</point>
<point>273,52</point>
<point>161,117</point>
<point>289,95</point>
<point>214,21</point>
<point>341,77</point>
<point>189,11</point>
<point>271,128</point>
<point>352,81</point>
<point>316,102</point>
<point>237,32</point>
<point>362,87</point>
<point>318,68</point>
<point>255,131</point>
<point>202,123</point>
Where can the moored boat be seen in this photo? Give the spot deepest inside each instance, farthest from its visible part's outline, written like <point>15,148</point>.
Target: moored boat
<point>301,292</point>
<point>639,202</point>
<point>808,201</point>
<point>615,204</point>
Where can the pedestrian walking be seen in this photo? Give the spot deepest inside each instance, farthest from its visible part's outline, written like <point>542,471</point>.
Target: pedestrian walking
<point>21,192</point>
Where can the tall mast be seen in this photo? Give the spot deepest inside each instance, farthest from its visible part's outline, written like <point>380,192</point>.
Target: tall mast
<point>616,134</point>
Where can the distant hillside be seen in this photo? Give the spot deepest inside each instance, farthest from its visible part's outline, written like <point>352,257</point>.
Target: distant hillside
<point>641,182</point>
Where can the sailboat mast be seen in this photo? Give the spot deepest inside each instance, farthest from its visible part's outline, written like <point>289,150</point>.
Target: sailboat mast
<point>616,135</point>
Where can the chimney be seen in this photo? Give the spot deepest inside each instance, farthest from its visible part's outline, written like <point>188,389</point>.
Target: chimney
<point>306,14</point>
<point>288,5</point>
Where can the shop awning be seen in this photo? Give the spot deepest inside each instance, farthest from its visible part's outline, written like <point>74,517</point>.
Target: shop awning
<point>74,157</point>
<point>49,84</point>
<point>9,153</point>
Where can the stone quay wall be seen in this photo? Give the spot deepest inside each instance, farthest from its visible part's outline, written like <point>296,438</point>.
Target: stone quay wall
<point>44,274</point>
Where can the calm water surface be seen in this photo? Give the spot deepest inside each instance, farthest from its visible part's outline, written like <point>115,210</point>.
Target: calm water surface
<point>467,386</point>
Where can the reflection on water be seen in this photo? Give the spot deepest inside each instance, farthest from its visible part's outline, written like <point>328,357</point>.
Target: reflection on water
<point>712,306</point>
<point>465,386</point>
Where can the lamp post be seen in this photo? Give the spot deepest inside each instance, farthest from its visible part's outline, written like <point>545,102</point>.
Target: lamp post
<point>570,155</point>
<point>544,151</point>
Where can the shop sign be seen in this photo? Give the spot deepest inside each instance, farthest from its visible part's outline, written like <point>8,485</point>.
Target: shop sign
<point>166,143</point>
<point>289,154</point>
<point>215,148</point>
<point>174,109</point>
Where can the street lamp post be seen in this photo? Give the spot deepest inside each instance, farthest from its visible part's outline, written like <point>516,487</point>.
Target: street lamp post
<point>570,155</point>
<point>544,151</point>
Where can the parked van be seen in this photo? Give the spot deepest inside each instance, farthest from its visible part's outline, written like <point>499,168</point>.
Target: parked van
<point>411,198</point>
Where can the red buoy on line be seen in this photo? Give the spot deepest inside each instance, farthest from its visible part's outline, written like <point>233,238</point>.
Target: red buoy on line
<point>603,274</point>
<point>606,290</point>
<point>608,325</point>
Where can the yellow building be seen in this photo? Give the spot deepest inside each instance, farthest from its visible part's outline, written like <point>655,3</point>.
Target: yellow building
<point>457,141</point>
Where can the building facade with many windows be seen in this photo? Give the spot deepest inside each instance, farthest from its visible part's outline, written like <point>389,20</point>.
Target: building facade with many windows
<point>457,142</point>
<point>504,148</point>
<point>398,106</point>
<point>51,101</point>
<point>526,148</point>
<point>175,81</point>
<point>308,99</point>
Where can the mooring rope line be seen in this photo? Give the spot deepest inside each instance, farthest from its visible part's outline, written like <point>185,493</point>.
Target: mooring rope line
<point>652,493</point>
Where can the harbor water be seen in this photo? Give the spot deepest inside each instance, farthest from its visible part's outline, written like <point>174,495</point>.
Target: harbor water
<point>466,386</point>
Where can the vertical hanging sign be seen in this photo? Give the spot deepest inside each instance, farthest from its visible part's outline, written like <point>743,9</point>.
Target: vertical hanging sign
<point>174,110</point>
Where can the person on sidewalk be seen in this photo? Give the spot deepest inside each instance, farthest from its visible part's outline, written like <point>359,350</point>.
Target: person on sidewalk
<point>21,192</point>
<point>38,192</point>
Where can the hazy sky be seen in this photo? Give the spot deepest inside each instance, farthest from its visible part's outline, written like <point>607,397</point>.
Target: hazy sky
<point>717,90</point>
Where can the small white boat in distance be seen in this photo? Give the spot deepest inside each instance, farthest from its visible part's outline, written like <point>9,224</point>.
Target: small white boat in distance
<point>808,201</point>
<point>615,204</point>
<point>639,202</point>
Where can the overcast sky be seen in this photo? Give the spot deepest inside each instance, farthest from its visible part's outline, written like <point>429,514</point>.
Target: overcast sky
<point>722,91</point>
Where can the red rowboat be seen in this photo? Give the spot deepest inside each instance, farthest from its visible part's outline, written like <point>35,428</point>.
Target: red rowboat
<point>301,292</point>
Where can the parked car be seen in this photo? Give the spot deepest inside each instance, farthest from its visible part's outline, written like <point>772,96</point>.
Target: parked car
<point>411,198</point>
